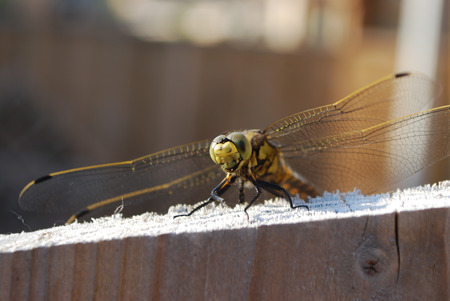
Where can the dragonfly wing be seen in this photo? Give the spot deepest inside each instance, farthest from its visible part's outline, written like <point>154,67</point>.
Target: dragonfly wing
<point>375,157</point>
<point>184,174</point>
<point>387,99</point>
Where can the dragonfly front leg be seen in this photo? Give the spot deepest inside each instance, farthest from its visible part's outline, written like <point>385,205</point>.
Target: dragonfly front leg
<point>215,194</point>
<point>222,187</point>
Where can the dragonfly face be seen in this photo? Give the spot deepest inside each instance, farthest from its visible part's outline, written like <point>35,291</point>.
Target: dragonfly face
<point>231,151</point>
<point>368,140</point>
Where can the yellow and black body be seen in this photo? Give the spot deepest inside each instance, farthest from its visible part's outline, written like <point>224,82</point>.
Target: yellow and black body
<point>250,158</point>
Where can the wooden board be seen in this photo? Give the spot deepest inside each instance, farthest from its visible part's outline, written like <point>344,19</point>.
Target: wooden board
<point>403,254</point>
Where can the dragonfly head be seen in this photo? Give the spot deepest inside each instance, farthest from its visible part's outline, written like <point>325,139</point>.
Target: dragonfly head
<point>230,151</point>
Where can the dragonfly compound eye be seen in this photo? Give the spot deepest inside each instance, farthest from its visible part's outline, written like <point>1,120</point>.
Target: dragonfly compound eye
<point>242,144</point>
<point>218,140</point>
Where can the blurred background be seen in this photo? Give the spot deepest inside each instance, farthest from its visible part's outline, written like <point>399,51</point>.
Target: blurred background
<point>90,82</point>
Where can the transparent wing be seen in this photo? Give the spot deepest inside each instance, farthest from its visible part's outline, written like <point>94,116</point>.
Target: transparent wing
<point>387,99</point>
<point>185,173</point>
<point>374,157</point>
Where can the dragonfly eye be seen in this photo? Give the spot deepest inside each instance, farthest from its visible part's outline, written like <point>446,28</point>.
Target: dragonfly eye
<point>242,144</point>
<point>219,139</point>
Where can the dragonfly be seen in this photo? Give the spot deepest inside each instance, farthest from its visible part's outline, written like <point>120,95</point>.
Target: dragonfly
<point>369,140</point>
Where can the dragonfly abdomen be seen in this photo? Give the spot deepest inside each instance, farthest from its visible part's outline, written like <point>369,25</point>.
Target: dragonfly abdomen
<point>296,186</point>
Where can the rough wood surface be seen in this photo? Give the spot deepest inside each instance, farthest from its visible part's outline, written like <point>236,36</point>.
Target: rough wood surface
<point>398,250</point>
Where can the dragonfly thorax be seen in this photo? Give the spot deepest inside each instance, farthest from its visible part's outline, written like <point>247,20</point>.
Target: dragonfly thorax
<point>231,151</point>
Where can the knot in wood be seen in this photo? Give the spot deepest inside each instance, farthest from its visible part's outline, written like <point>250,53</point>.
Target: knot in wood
<point>372,267</point>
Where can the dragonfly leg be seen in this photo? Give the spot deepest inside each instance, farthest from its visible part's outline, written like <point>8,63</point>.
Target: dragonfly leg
<point>241,191</point>
<point>215,194</point>
<point>208,201</point>
<point>277,190</point>
<point>222,187</point>
<point>258,193</point>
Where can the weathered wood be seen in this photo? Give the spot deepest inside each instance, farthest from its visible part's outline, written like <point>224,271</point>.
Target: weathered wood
<point>400,253</point>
